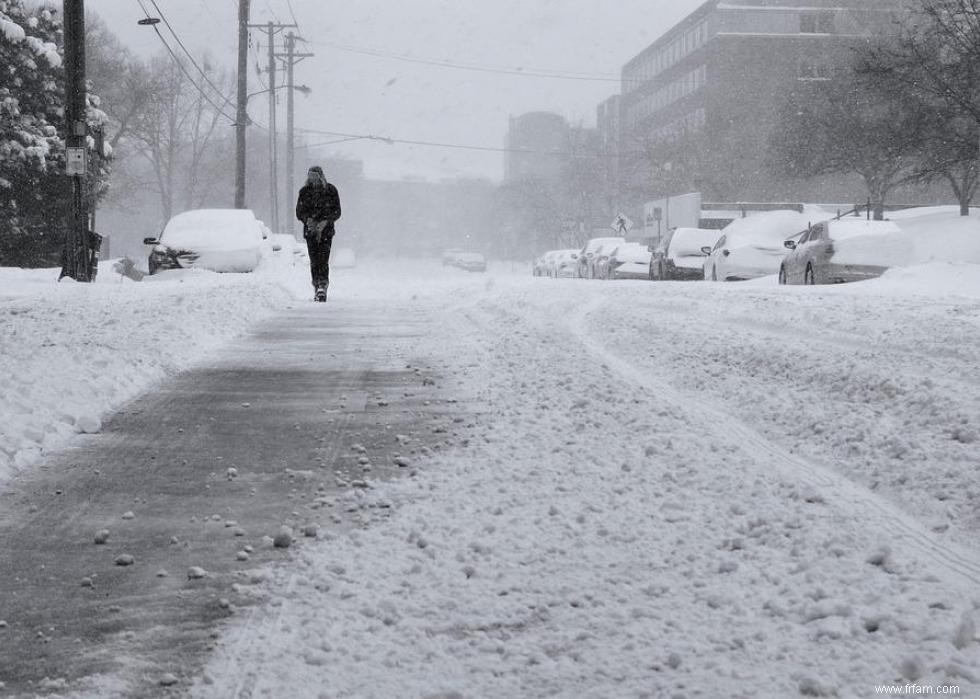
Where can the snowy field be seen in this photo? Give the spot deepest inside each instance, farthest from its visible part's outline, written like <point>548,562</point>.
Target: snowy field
<point>669,490</point>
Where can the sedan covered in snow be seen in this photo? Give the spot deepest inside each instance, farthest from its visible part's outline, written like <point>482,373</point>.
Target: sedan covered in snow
<point>629,261</point>
<point>838,251</point>
<point>590,254</point>
<point>680,256</point>
<point>754,247</point>
<point>564,265</point>
<point>220,240</point>
<point>542,266</point>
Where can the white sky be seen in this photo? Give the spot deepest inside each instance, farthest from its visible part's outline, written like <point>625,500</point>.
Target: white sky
<point>359,94</point>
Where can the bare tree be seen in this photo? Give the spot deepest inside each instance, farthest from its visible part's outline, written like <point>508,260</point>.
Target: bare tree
<point>934,62</point>
<point>850,125</point>
<point>177,135</point>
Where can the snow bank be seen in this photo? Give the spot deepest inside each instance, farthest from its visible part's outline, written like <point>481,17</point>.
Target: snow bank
<point>70,353</point>
<point>941,235</point>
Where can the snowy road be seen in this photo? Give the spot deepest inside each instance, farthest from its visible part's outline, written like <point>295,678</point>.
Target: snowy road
<point>678,490</point>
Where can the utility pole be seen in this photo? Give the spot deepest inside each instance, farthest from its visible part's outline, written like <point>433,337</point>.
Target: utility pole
<point>271,29</point>
<point>273,135</point>
<point>291,58</point>
<point>77,262</point>
<point>241,117</point>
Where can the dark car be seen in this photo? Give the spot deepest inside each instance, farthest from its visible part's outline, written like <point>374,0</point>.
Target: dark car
<point>680,255</point>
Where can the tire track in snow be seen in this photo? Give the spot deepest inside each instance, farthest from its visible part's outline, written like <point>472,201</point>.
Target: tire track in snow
<point>960,562</point>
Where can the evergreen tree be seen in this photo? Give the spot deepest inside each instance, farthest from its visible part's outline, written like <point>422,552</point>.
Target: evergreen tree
<point>33,186</point>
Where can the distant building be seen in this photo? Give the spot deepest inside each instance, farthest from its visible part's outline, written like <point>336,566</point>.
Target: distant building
<point>535,144</point>
<point>609,126</point>
<point>709,90</point>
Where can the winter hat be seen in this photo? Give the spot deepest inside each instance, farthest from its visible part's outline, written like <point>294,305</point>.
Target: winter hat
<point>315,175</point>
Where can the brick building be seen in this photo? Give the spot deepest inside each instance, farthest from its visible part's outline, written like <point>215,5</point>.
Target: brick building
<point>704,98</point>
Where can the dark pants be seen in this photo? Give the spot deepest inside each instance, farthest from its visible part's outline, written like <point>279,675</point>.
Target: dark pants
<point>320,260</point>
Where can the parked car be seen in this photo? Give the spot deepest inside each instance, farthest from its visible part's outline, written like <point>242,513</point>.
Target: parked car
<point>629,261</point>
<point>587,257</point>
<point>680,255</point>
<point>541,266</point>
<point>753,247</point>
<point>846,250</point>
<point>449,256</point>
<point>471,262</point>
<point>220,240</point>
<point>564,265</point>
<point>601,260</point>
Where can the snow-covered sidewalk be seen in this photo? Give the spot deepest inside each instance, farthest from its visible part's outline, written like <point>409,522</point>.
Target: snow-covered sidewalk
<point>70,353</point>
<point>634,514</point>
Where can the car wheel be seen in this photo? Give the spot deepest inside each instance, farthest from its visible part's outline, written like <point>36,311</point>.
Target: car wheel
<point>782,275</point>
<point>714,274</point>
<point>808,277</point>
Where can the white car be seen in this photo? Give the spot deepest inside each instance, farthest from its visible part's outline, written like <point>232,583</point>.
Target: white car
<point>220,240</point>
<point>542,265</point>
<point>564,264</point>
<point>848,250</point>
<point>588,257</point>
<point>753,247</point>
<point>629,261</point>
<point>680,255</point>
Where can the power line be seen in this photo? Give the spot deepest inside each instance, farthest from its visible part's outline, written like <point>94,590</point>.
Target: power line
<point>188,53</point>
<point>458,146</point>
<point>529,73</point>
<point>289,4</point>
<point>183,69</point>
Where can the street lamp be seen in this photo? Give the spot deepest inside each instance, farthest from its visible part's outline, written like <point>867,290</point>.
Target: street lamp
<point>148,21</point>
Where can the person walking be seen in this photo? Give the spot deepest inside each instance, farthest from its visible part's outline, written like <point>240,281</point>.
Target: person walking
<point>318,207</point>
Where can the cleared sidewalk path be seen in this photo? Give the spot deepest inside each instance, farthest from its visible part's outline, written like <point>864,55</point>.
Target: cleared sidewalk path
<point>194,473</point>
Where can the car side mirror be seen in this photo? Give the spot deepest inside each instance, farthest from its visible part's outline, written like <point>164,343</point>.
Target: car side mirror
<point>791,244</point>
<point>706,250</point>
<point>726,252</point>
<point>151,241</point>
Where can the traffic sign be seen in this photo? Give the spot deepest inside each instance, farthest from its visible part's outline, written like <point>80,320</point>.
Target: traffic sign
<point>622,224</point>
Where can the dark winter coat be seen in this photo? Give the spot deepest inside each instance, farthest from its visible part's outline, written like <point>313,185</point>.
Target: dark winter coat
<point>318,204</point>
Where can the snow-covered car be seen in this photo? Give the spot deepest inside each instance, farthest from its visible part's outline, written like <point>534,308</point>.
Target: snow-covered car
<point>680,256</point>
<point>629,261</point>
<point>838,251</point>
<point>588,256</point>
<point>601,261</point>
<point>220,240</point>
<point>564,265</point>
<point>754,247</point>
<point>542,265</point>
<point>471,262</point>
<point>449,256</point>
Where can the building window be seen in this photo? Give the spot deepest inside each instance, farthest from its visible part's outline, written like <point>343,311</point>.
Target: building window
<point>817,23</point>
